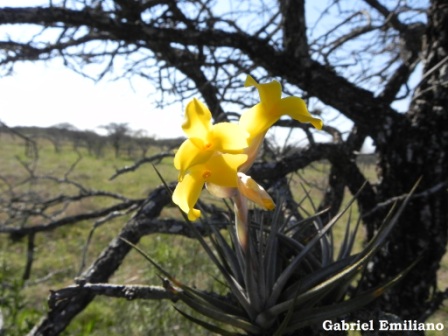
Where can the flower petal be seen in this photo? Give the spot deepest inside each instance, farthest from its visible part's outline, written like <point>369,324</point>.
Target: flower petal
<point>219,191</point>
<point>187,194</point>
<point>255,192</point>
<point>270,93</point>
<point>252,152</point>
<point>197,120</point>
<point>223,169</point>
<point>259,118</point>
<point>250,81</point>
<point>219,170</point>
<point>296,109</point>
<point>189,154</point>
<point>256,121</point>
<point>229,138</point>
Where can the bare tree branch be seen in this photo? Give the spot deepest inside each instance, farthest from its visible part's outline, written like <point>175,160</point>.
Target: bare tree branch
<point>319,80</point>
<point>110,259</point>
<point>143,223</point>
<point>128,292</point>
<point>136,165</point>
<point>18,232</point>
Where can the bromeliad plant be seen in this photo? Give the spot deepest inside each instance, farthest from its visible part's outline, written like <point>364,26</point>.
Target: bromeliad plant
<point>278,278</point>
<point>284,282</point>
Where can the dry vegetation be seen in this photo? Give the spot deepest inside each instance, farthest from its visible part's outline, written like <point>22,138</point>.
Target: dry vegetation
<point>61,254</point>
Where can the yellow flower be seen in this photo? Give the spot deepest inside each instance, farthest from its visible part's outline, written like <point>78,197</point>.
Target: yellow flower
<point>204,139</point>
<point>220,170</point>
<point>219,155</point>
<point>212,155</point>
<point>258,119</point>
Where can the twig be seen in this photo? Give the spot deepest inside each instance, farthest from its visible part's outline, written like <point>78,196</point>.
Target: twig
<point>29,143</point>
<point>45,278</point>
<point>425,193</point>
<point>22,231</point>
<point>96,225</point>
<point>430,71</point>
<point>140,162</point>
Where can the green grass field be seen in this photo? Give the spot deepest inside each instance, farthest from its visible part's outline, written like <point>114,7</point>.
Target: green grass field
<point>58,254</point>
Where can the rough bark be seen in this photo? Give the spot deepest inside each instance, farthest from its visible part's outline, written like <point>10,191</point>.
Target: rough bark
<point>406,155</point>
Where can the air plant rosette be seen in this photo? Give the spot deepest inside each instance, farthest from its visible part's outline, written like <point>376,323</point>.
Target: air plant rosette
<point>276,281</point>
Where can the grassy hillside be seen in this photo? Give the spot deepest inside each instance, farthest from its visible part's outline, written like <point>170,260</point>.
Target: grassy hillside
<point>61,254</point>
<point>58,254</point>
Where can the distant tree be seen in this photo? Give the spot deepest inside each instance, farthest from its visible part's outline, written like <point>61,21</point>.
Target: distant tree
<point>65,126</point>
<point>354,61</point>
<point>143,141</point>
<point>59,133</point>
<point>117,134</point>
<point>94,142</point>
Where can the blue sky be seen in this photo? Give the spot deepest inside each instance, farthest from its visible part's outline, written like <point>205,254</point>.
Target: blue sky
<point>46,94</point>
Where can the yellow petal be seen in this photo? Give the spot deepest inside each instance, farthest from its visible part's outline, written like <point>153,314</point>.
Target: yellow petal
<point>260,117</point>
<point>257,120</point>
<point>229,138</point>
<point>222,169</point>
<point>250,81</point>
<point>197,120</point>
<point>270,93</point>
<point>194,214</point>
<point>187,194</point>
<point>189,154</point>
<point>252,152</point>
<point>296,109</point>
<point>253,191</point>
<point>219,191</point>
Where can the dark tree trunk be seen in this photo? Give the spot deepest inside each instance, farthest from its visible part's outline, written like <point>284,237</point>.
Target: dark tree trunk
<point>407,153</point>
